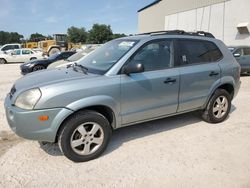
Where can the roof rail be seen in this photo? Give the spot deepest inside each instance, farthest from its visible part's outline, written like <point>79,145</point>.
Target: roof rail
<point>180,32</point>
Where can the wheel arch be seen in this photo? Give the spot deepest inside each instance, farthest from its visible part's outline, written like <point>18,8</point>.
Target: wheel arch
<point>228,86</point>
<point>106,111</point>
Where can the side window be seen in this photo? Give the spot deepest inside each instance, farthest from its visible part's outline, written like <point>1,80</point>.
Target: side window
<point>16,47</point>
<point>214,52</point>
<point>25,52</point>
<point>17,52</point>
<point>155,55</point>
<point>198,51</point>
<point>193,51</point>
<point>7,48</point>
<point>246,51</point>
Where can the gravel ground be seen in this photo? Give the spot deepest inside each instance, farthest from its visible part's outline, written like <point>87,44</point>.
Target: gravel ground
<point>180,151</point>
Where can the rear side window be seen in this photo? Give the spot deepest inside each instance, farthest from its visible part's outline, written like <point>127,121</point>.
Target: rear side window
<point>198,51</point>
<point>25,52</point>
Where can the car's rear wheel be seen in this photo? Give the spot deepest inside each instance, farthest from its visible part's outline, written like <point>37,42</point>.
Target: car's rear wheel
<point>38,67</point>
<point>218,107</point>
<point>84,136</point>
<point>2,61</point>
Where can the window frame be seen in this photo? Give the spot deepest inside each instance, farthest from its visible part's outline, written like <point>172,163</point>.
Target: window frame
<point>179,59</point>
<point>150,42</point>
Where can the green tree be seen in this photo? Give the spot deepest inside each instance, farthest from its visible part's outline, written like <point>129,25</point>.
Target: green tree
<point>77,35</point>
<point>10,37</point>
<point>100,33</point>
<point>118,35</point>
<point>37,37</point>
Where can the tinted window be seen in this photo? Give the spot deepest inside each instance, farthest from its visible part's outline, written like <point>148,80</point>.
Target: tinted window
<point>246,51</point>
<point>214,52</point>
<point>25,52</point>
<point>196,51</point>
<point>7,48</point>
<point>155,55</point>
<point>16,47</point>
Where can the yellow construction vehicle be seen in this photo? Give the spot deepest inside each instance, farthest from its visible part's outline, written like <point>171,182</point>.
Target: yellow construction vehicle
<point>30,45</point>
<point>50,47</point>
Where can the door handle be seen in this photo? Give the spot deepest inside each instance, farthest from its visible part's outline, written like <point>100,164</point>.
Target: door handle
<point>213,73</point>
<point>170,81</point>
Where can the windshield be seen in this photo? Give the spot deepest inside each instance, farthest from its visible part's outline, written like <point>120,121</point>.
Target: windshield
<point>80,54</point>
<point>103,58</point>
<point>54,56</point>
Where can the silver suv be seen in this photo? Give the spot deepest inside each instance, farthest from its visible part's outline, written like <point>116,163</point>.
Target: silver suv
<point>126,81</point>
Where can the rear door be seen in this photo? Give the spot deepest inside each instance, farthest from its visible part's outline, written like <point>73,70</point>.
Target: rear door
<point>199,71</point>
<point>154,92</point>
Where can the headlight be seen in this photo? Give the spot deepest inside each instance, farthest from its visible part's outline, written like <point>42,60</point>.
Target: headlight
<point>28,99</point>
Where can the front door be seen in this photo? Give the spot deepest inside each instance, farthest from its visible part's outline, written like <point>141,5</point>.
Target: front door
<point>154,92</point>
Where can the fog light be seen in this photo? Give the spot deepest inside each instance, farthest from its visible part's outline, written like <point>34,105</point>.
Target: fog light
<point>43,118</point>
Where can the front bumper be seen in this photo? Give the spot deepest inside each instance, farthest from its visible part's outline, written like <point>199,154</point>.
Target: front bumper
<point>25,69</point>
<point>26,123</point>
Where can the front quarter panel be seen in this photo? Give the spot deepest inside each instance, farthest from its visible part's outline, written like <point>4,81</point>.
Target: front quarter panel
<point>83,93</point>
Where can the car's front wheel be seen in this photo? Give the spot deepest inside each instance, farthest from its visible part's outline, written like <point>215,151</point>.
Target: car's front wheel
<point>38,67</point>
<point>84,136</point>
<point>218,107</point>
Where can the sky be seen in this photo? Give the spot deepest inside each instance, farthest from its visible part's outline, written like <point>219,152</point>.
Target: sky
<point>55,16</point>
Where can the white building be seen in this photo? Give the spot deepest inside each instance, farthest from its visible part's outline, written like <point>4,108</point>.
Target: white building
<point>228,20</point>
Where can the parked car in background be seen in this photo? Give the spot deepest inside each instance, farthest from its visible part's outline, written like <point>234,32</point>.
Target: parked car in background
<point>36,65</point>
<point>242,54</point>
<point>9,48</point>
<point>74,58</point>
<point>20,56</point>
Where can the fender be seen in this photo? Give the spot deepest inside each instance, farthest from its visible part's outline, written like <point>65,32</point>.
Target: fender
<point>217,84</point>
<point>100,100</point>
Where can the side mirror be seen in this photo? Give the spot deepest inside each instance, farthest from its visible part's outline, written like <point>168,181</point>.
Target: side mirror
<point>237,55</point>
<point>133,68</point>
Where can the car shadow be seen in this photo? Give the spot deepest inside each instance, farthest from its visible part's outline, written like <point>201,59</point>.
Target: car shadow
<point>126,134</point>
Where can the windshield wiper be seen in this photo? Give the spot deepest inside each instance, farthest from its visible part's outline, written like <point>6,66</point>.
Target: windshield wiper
<point>76,65</point>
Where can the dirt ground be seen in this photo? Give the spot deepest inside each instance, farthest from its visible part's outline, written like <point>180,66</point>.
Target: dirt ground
<point>180,151</point>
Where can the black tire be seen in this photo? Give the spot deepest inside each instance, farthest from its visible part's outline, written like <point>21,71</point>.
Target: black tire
<point>2,61</point>
<point>208,113</point>
<point>38,67</point>
<point>53,51</point>
<point>33,58</point>
<point>71,125</point>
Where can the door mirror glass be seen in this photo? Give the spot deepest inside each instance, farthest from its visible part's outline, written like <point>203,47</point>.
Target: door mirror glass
<point>133,68</point>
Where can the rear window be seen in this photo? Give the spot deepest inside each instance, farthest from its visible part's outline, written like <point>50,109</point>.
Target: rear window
<point>198,51</point>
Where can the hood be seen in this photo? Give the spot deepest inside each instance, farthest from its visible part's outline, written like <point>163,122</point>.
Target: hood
<point>46,77</point>
<point>35,61</point>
